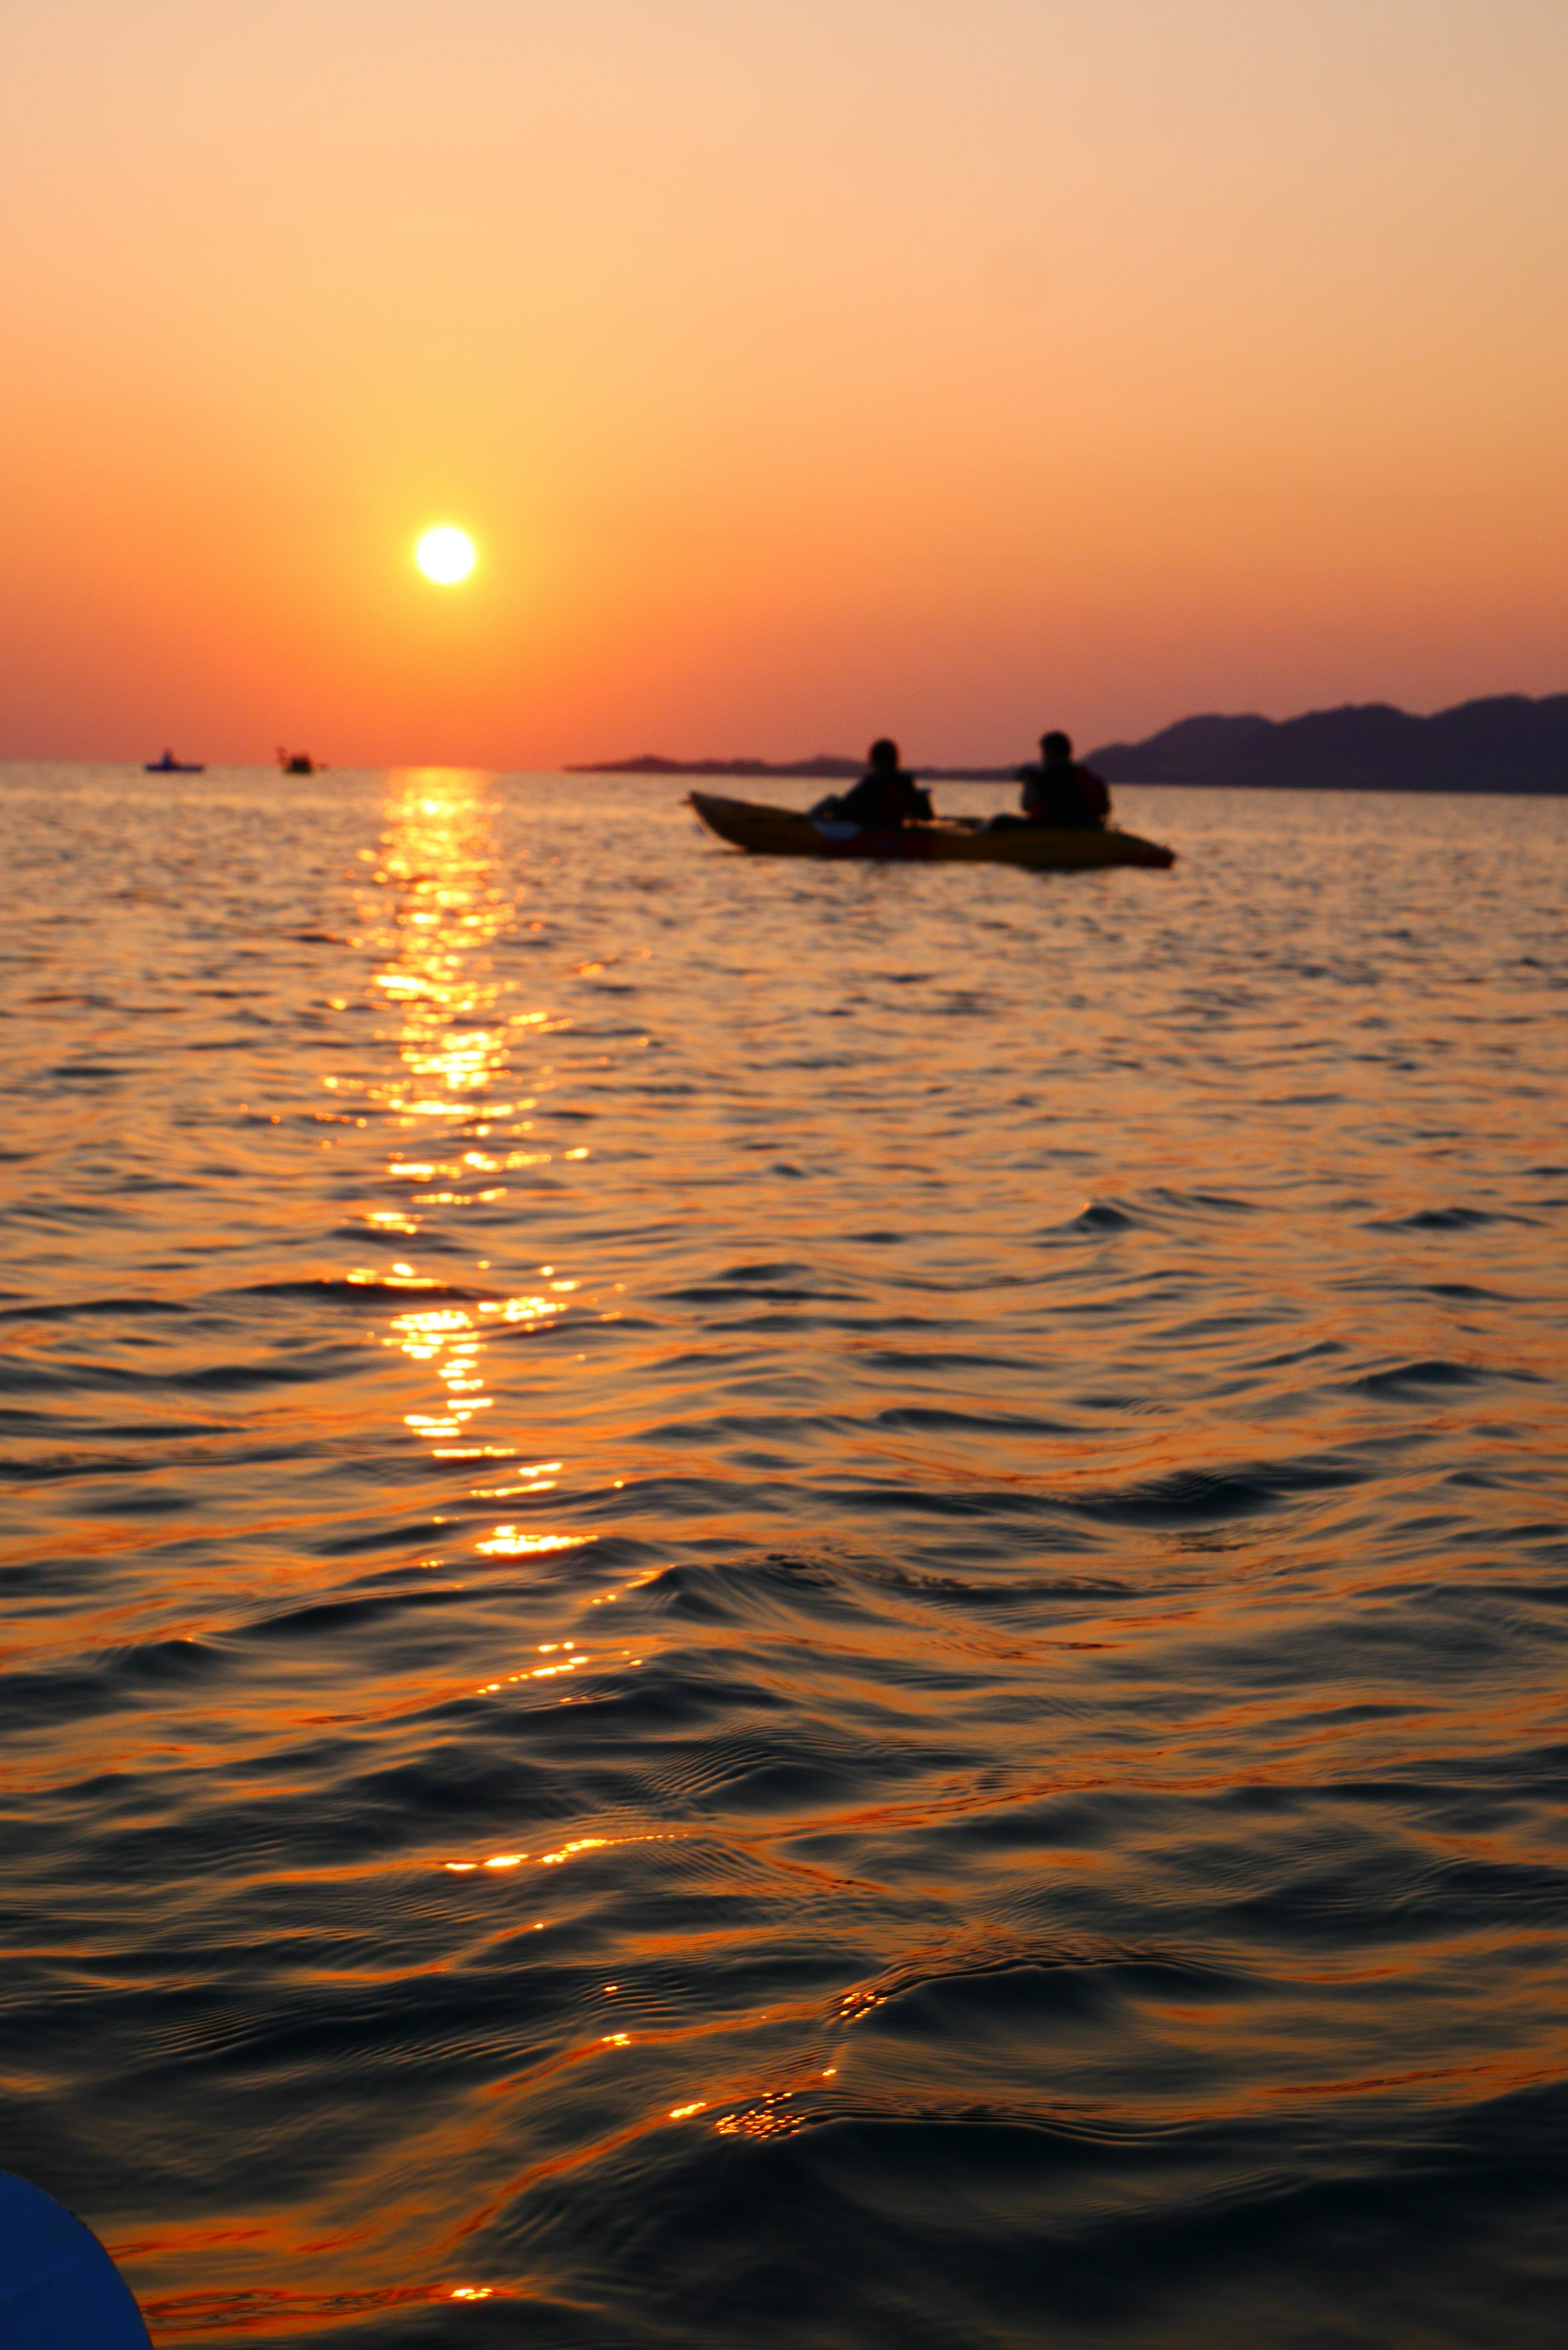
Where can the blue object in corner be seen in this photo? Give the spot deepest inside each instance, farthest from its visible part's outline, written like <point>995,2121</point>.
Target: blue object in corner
<point>58,2288</point>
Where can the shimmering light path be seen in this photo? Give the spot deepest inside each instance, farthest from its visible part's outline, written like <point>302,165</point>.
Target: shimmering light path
<point>749,1605</point>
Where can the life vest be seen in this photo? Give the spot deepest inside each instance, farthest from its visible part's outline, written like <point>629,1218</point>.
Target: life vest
<point>1064,795</point>
<point>883,801</point>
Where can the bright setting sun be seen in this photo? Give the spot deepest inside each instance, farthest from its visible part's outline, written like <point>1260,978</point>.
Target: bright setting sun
<point>445,556</point>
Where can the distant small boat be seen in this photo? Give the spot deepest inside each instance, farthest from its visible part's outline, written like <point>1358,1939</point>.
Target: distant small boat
<point>297,763</point>
<point>169,765</point>
<point>783,832</point>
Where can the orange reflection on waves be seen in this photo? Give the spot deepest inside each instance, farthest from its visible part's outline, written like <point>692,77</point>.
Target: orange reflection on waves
<point>438,907</point>
<point>445,909</point>
<point>276,2312</point>
<point>454,1109</point>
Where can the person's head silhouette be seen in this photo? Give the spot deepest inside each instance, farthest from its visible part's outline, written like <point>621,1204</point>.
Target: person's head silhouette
<point>1056,748</point>
<point>884,757</point>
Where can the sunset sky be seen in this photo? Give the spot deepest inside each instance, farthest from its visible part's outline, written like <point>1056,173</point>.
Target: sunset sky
<point>800,369</point>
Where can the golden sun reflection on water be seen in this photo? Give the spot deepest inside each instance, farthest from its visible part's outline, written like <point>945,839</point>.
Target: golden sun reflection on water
<point>442,910</point>
<point>456,1108</point>
<point>454,1104</point>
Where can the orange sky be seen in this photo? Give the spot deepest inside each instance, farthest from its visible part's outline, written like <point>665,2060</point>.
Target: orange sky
<point>803,369</point>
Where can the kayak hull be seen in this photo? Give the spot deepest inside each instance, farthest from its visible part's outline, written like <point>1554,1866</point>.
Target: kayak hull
<point>57,2284</point>
<point>1039,848</point>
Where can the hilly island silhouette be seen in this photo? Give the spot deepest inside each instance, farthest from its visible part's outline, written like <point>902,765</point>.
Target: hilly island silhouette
<point>1505,744</point>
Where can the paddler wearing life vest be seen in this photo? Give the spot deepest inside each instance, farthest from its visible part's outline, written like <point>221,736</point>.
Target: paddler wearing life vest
<point>885,798</point>
<point>1062,792</point>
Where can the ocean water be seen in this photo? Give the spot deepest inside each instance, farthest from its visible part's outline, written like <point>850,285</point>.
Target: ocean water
<point>751,1606</point>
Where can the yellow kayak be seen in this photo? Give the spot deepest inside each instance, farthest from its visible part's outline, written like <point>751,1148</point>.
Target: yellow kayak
<point>785,832</point>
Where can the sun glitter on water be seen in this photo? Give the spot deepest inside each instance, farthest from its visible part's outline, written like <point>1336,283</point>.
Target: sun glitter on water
<point>445,556</point>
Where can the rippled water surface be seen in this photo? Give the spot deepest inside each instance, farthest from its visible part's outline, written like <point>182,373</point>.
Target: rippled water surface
<point>752,1605</point>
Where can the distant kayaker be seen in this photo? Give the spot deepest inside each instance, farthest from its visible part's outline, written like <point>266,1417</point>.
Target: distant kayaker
<point>885,798</point>
<point>1062,793</point>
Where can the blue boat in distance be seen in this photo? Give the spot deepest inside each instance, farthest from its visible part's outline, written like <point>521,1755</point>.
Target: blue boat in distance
<point>169,765</point>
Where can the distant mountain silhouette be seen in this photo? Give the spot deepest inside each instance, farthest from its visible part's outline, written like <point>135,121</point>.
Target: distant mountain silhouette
<point>825,766</point>
<point>831,767</point>
<point>1507,744</point>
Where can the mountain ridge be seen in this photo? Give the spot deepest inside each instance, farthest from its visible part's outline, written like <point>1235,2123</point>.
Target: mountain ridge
<point>1504,742</point>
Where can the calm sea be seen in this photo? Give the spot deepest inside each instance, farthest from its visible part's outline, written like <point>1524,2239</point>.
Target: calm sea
<point>757,1607</point>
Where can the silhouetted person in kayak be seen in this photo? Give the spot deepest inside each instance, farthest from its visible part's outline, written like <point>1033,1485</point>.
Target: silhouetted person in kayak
<point>887,799</point>
<point>1061,792</point>
<point>1058,792</point>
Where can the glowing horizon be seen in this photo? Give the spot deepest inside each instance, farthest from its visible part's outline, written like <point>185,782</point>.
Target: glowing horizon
<point>805,373</point>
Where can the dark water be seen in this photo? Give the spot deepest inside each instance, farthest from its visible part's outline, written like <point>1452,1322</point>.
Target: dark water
<point>762,1606</point>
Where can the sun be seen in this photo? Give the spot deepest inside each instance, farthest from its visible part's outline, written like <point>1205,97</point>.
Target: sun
<point>445,556</point>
